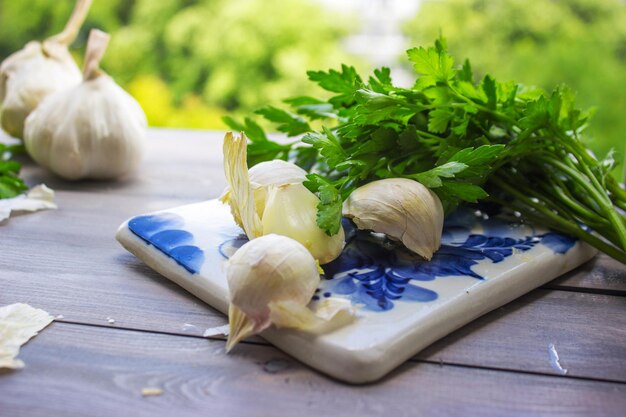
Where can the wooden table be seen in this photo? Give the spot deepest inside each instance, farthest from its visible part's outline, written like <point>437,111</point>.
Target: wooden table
<point>68,262</point>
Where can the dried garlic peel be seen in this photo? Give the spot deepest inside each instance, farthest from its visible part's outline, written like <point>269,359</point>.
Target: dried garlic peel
<point>401,208</point>
<point>271,280</point>
<point>18,323</point>
<point>38,198</point>
<point>37,70</point>
<point>286,208</point>
<point>95,130</point>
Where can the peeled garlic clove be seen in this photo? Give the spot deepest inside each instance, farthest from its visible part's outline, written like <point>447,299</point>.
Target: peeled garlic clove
<point>37,70</point>
<point>291,210</point>
<point>401,208</point>
<point>95,130</point>
<point>268,269</point>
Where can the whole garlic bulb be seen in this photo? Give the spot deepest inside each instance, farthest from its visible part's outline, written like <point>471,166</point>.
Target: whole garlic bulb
<point>271,280</point>
<point>279,205</point>
<point>401,208</point>
<point>37,70</point>
<point>95,130</point>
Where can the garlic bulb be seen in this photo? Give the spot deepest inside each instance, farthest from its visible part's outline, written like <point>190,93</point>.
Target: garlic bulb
<point>95,130</point>
<point>279,203</point>
<point>37,70</point>
<point>271,280</point>
<point>401,208</point>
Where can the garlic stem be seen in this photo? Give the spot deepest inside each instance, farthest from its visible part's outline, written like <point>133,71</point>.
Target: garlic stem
<point>96,46</point>
<point>72,27</point>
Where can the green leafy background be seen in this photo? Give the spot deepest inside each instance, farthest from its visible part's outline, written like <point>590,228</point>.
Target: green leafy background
<point>191,62</point>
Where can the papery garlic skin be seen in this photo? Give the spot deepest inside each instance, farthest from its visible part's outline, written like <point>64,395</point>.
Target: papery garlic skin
<point>401,208</point>
<point>27,77</point>
<point>36,71</point>
<point>95,130</point>
<point>291,210</point>
<point>269,269</point>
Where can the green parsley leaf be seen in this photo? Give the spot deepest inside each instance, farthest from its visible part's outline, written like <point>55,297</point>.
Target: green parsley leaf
<point>329,207</point>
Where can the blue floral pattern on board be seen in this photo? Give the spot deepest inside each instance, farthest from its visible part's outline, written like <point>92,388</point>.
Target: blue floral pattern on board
<point>375,272</point>
<point>164,231</point>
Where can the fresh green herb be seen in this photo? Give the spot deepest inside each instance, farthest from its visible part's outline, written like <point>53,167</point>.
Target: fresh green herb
<point>465,139</point>
<point>10,184</point>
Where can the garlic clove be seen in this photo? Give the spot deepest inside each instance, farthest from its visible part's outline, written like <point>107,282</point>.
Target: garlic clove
<point>401,208</point>
<point>36,71</point>
<point>269,206</point>
<point>271,280</point>
<point>267,269</point>
<point>263,175</point>
<point>276,172</point>
<point>94,130</point>
<point>291,210</point>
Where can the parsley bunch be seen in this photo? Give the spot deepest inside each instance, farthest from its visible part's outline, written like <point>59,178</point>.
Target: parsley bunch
<point>10,184</point>
<point>466,140</point>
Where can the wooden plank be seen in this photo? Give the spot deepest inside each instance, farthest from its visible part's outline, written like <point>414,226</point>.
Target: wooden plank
<point>87,371</point>
<point>602,274</point>
<point>184,164</point>
<point>587,330</point>
<point>67,262</point>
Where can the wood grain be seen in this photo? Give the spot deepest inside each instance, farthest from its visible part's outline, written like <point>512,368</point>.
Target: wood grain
<point>602,274</point>
<point>103,283</point>
<point>67,262</point>
<point>76,370</point>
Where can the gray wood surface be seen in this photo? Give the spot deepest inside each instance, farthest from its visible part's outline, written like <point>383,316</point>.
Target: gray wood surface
<point>75,370</point>
<point>68,262</point>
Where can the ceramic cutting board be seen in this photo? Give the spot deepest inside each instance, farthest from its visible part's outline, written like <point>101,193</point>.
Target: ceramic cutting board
<point>405,303</point>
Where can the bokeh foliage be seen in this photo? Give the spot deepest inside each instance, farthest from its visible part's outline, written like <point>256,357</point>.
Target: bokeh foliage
<point>542,42</point>
<point>190,62</point>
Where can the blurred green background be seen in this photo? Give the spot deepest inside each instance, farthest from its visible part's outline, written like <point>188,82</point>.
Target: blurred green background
<point>189,63</point>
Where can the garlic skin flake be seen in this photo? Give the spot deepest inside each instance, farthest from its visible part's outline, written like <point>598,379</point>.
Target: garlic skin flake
<point>18,324</point>
<point>274,205</point>
<point>95,130</point>
<point>37,70</point>
<point>401,208</point>
<point>271,280</point>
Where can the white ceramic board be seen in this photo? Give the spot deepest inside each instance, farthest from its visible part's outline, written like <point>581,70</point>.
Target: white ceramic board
<point>405,303</point>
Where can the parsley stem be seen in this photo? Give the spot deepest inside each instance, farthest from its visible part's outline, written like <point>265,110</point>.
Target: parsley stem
<point>559,223</point>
